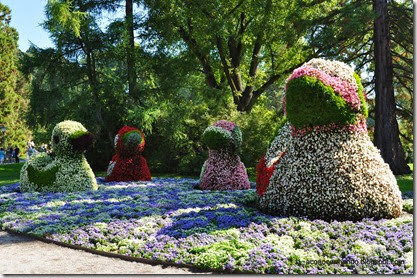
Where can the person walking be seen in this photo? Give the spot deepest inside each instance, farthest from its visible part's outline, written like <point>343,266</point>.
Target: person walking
<point>16,154</point>
<point>9,154</point>
<point>2,156</point>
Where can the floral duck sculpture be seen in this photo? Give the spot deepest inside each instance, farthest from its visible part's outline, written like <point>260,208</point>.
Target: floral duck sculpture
<point>223,169</point>
<point>323,162</point>
<point>128,164</point>
<point>66,169</point>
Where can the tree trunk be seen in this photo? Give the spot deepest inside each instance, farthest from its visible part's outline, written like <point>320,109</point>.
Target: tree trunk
<point>130,57</point>
<point>386,136</point>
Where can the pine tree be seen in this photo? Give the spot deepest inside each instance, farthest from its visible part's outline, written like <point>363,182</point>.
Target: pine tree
<point>13,101</point>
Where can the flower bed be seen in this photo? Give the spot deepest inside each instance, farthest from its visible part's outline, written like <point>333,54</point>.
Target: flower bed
<point>168,220</point>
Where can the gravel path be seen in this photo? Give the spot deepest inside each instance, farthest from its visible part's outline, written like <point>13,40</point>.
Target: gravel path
<point>22,255</point>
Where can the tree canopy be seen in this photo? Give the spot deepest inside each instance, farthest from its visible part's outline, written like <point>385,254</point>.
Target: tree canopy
<point>13,90</point>
<point>172,68</point>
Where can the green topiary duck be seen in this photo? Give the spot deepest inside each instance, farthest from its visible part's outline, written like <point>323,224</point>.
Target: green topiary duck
<point>66,170</point>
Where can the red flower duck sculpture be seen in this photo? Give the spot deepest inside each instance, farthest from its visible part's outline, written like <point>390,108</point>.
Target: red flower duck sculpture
<point>128,164</point>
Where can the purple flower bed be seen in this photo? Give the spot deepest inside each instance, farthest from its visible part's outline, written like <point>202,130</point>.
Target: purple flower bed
<point>167,219</point>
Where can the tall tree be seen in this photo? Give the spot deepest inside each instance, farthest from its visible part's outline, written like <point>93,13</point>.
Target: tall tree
<point>12,94</point>
<point>130,49</point>
<point>244,45</point>
<point>386,135</point>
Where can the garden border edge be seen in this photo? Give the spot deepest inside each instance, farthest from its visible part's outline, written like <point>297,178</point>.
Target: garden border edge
<point>123,257</point>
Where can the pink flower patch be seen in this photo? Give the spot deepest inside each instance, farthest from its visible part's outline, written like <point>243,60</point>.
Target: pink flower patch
<point>224,171</point>
<point>225,125</point>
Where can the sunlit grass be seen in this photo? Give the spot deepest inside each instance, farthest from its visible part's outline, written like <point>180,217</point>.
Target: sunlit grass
<point>10,173</point>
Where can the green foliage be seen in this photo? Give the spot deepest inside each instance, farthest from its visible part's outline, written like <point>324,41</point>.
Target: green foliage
<point>408,205</point>
<point>13,87</point>
<point>64,15</point>
<point>9,173</point>
<point>176,105</point>
<point>405,182</point>
<point>311,103</point>
<point>364,105</point>
<point>227,38</point>
<point>78,134</point>
<point>43,179</point>
<point>237,137</point>
<point>217,254</point>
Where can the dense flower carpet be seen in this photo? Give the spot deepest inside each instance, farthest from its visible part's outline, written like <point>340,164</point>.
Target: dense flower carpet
<point>167,219</point>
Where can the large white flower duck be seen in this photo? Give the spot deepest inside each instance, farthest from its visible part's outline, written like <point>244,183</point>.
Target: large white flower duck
<point>323,162</point>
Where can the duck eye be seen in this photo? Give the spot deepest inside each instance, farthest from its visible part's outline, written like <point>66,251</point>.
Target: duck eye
<point>56,139</point>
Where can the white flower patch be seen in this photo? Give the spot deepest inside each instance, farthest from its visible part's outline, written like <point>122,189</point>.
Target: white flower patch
<point>334,68</point>
<point>111,167</point>
<point>279,145</point>
<point>116,139</point>
<point>333,175</point>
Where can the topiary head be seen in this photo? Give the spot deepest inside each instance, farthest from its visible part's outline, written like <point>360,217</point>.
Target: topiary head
<point>70,138</point>
<point>129,141</point>
<point>223,135</point>
<point>322,92</point>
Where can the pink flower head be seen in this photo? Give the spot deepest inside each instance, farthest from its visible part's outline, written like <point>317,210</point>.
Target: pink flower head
<point>227,125</point>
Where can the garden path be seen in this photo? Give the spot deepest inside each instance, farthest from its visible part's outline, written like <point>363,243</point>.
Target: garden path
<point>22,255</point>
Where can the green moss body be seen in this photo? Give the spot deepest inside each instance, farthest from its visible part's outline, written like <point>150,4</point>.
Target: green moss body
<point>43,179</point>
<point>311,103</point>
<point>216,138</point>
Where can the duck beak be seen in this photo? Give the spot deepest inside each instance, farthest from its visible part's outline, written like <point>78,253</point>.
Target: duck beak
<point>82,143</point>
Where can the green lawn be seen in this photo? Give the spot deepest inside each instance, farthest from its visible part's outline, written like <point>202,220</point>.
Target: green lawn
<point>405,182</point>
<point>9,173</point>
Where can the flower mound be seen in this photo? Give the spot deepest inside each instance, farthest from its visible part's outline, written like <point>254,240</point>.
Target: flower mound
<point>223,169</point>
<point>66,169</point>
<point>331,169</point>
<point>168,220</point>
<point>128,164</point>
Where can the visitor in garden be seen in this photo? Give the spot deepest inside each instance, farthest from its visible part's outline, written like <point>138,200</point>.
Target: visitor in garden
<point>2,156</point>
<point>16,154</point>
<point>9,154</point>
<point>30,151</point>
<point>43,148</point>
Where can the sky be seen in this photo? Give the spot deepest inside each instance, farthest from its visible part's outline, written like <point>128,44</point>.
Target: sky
<point>27,15</point>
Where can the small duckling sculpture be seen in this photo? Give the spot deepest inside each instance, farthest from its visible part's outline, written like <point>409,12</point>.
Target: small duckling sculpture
<point>223,169</point>
<point>67,169</point>
<point>128,164</point>
<point>328,167</point>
